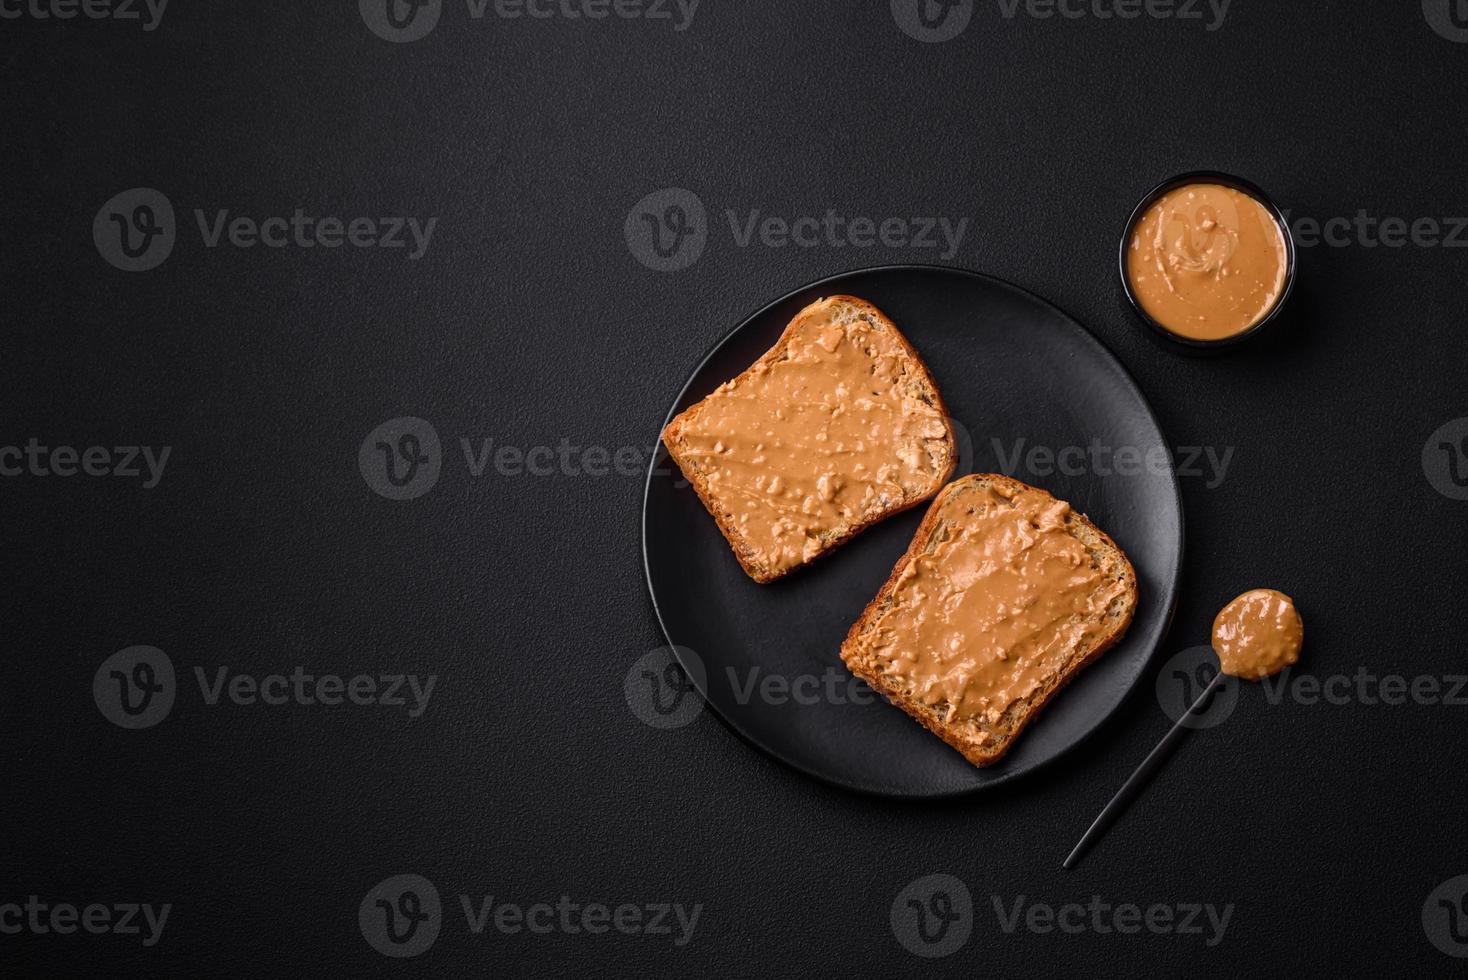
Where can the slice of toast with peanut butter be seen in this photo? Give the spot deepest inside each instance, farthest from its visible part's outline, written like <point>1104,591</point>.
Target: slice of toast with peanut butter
<point>836,427</point>
<point>1003,596</point>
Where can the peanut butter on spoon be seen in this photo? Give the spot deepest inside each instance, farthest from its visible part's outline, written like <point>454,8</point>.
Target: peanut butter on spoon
<point>1258,634</point>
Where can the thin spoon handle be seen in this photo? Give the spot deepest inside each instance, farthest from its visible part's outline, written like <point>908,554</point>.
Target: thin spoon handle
<point>1132,788</point>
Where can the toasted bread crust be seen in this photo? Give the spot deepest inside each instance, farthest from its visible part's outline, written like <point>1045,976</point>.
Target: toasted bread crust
<point>980,744</point>
<point>750,558</point>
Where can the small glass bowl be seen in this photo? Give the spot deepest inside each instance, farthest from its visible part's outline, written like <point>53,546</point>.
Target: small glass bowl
<point>1227,180</point>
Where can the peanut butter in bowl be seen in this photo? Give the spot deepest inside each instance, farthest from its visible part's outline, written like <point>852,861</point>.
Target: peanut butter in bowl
<point>1206,260</point>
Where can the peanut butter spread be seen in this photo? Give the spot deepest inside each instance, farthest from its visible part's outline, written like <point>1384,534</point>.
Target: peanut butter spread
<point>828,435</point>
<point>1258,635</point>
<point>995,608</point>
<point>1207,261</point>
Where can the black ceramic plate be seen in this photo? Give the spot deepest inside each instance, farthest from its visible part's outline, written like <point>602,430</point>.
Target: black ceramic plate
<point>1019,376</point>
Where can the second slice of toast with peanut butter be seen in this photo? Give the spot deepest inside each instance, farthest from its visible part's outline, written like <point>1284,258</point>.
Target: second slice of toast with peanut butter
<point>1003,596</point>
<point>836,427</point>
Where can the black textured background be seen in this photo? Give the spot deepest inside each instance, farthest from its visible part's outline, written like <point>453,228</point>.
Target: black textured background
<point>529,322</point>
